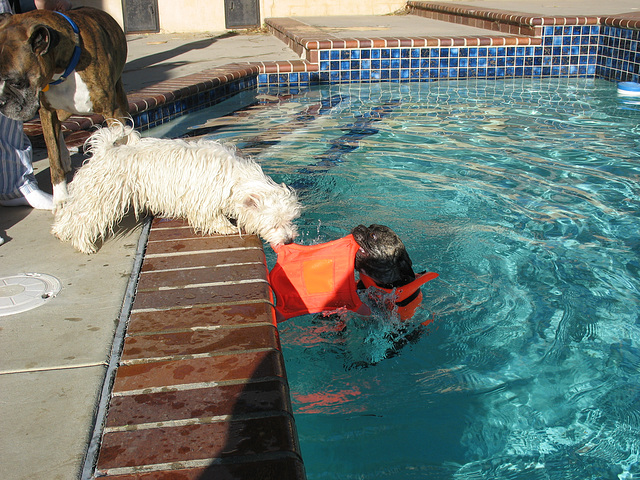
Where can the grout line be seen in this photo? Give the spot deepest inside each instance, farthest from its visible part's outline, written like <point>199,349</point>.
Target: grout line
<point>205,285</point>
<point>200,267</point>
<point>199,252</point>
<point>193,386</point>
<point>198,328</point>
<point>202,305</point>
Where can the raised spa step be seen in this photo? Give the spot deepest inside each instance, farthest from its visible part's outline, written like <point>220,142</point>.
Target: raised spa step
<point>508,22</point>
<point>307,39</point>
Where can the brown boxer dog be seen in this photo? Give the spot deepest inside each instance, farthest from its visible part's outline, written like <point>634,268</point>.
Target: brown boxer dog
<point>62,64</point>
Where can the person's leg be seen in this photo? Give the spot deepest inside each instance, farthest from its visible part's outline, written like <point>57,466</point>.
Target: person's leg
<point>18,185</point>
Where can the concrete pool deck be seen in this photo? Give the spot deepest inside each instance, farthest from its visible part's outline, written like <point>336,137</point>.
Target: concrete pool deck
<point>54,357</point>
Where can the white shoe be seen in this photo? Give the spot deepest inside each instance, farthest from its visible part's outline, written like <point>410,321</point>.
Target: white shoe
<point>36,199</point>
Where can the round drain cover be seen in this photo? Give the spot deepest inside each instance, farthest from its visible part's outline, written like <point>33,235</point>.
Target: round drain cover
<point>19,293</point>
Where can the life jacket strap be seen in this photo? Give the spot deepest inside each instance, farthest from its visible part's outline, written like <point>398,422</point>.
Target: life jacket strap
<point>405,292</point>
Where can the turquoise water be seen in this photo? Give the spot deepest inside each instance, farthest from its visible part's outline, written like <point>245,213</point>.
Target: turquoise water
<point>524,196</point>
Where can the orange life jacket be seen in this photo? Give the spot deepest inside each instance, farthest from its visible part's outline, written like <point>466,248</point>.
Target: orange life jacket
<point>407,297</point>
<point>316,278</point>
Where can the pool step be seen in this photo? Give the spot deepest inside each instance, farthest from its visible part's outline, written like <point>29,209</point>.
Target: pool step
<point>308,41</point>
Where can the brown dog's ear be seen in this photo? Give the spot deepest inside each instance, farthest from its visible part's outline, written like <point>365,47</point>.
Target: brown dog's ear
<point>4,17</point>
<point>42,39</point>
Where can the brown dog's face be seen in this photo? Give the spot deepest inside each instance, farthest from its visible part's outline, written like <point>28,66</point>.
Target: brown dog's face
<point>382,256</point>
<point>23,62</point>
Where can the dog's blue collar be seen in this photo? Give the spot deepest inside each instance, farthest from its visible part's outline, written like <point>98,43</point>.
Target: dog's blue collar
<point>75,58</point>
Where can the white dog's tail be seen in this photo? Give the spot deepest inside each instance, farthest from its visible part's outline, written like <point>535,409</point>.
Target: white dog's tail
<point>106,137</point>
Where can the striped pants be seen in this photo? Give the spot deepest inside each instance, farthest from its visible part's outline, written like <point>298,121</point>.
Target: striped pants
<point>16,171</point>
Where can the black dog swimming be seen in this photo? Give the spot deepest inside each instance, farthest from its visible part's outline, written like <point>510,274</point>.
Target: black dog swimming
<point>382,256</point>
<point>383,261</point>
<point>320,278</point>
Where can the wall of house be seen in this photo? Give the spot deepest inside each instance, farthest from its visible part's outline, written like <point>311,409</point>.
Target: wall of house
<point>208,15</point>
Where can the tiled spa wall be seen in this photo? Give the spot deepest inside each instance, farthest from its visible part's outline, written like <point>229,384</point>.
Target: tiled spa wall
<point>619,54</point>
<point>581,50</point>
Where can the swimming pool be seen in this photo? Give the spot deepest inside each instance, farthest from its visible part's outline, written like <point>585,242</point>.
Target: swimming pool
<point>523,194</point>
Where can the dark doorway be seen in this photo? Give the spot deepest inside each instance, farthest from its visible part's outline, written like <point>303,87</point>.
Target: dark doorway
<point>241,13</point>
<point>140,16</point>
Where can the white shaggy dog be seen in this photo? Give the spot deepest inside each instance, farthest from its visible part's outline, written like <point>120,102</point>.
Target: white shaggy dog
<point>202,181</point>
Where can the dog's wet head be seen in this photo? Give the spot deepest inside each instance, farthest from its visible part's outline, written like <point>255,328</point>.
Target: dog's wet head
<point>272,213</point>
<point>382,256</point>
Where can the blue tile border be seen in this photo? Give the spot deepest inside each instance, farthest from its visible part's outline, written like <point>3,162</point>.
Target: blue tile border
<point>574,51</point>
<point>168,111</point>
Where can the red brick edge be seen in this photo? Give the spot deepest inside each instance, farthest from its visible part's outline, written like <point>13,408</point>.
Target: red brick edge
<point>201,390</point>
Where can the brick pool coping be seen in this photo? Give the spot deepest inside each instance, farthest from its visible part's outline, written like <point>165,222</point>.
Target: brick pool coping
<point>201,390</point>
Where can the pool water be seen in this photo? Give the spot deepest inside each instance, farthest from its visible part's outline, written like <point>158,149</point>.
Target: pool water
<point>524,196</point>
